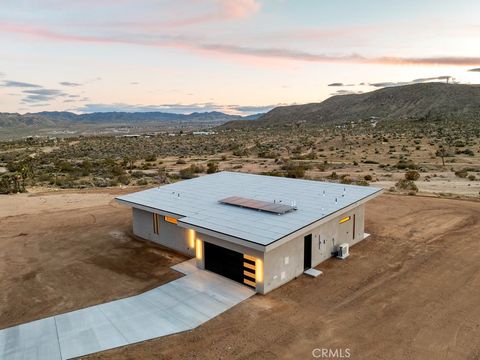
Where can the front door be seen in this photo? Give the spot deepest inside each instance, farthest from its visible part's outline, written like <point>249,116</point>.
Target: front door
<point>307,252</point>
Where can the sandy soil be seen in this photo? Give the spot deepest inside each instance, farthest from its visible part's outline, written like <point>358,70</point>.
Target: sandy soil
<point>450,188</point>
<point>410,291</point>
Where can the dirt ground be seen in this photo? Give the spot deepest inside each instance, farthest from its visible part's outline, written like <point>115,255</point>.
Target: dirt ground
<point>64,251</point>
<point>410,291</point>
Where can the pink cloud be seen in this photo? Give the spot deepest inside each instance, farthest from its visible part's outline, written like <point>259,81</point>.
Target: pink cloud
<point>224,10</point>
<point>234,50</point>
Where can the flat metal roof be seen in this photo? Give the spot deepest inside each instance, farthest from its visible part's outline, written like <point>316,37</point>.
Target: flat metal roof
<point>196,203</point>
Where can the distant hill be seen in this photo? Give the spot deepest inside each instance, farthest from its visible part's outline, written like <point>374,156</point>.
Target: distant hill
<point>64,123</point>
<point>417,101</point>
<point>58,118</point>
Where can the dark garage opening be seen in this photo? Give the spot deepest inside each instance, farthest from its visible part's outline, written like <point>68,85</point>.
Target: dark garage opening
<point>224,261</point>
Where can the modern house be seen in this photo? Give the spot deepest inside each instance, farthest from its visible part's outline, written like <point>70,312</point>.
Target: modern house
<point>261,231</point>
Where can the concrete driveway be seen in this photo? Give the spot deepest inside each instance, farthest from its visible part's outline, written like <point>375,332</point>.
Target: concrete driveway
<point>177,306</point>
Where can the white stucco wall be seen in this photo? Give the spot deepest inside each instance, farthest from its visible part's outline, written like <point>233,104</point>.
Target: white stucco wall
<point>169,235</point>
<point>285,262</point>
<point>280,264</point>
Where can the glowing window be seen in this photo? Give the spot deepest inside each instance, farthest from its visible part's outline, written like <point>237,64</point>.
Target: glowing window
<point>170,219</point>
<point>345,219</point>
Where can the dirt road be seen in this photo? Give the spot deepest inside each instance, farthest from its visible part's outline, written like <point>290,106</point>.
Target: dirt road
<point>410,291</point>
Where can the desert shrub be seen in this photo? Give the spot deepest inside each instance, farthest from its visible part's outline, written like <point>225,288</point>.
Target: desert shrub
<point>137,174</point>
<point>471,177</point>
<point>112,182</point>
<point>368,177</point>
<point>406,185</point>
<point>212,167</point>
<point>272,173</point>
<point>99,182</point>
<point>187,173</point>
<point>461,173</point>
<point>240,151</point>
<point>468,152</point>
<point>151,157</point>
<point>123,179</point>
<point>64,166</point>
<point>142,182</point>
<point>406,164</point>
<point>181,162</point>
<point>294,170</point>
<point>345,179</point>
<point>333,176</point>
<point>362,183</point>
<point>309,156</point>
<point>11,184</point>
<point>370,162</point>
<point>197,169</point>
<point>412,175</point>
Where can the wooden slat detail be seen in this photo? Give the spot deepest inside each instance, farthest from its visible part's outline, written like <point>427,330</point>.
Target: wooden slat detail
<point>249,266</point>
<point>250,283</point>
<point>248,257</point>
<point>248,273</point>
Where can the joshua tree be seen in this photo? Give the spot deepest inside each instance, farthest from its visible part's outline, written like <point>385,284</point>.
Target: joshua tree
<point>441,152</point>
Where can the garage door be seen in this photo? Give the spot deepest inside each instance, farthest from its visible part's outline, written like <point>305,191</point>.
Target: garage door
<point>231,264</point>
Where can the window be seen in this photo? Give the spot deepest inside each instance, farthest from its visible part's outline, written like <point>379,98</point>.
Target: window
<point>353,235</point>
<point>345,219</point>
<point>170,219</point>
<point>156,224</point>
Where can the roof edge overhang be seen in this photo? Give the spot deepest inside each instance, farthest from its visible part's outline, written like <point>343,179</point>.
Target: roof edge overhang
<point>222,236</point>
<point>247,243</point>
<point>149,208</point>
<point>319,222</point>
<point>199,229</point>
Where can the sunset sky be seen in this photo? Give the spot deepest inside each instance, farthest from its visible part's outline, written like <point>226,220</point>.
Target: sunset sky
<point>237,56</point>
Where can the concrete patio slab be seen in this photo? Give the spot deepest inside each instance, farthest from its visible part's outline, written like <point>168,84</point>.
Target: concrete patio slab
<point>313,272</point>
<point>186,267</point>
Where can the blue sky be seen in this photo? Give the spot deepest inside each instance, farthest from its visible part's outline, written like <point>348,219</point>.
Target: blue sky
<point>225,55</point>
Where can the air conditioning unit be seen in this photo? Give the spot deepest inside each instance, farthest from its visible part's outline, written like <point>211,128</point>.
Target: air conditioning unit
<point>343,251</point>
